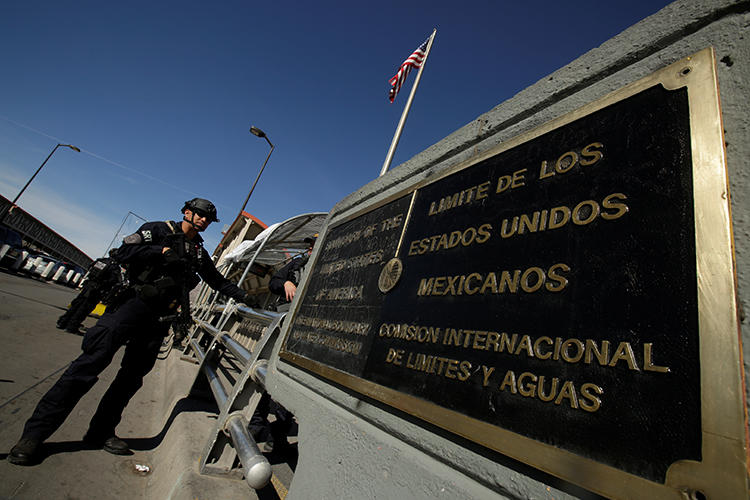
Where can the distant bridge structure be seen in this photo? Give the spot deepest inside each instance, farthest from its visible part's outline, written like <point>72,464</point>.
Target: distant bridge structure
<point>37,236</point>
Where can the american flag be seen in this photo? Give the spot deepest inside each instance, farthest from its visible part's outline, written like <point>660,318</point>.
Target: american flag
<point>413,61</point>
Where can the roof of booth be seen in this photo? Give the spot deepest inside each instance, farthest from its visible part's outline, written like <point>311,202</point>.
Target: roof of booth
<point>279,241</point>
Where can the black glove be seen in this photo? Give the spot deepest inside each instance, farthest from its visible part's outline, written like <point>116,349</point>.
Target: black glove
<point>173,260</point>
<point>249,301</point>
<point>170,256</point>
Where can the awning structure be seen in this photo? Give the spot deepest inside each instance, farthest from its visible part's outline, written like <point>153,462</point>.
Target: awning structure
<point>279,242</point>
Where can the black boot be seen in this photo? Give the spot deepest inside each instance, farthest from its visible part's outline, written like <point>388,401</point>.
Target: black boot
<point>24,452</point>
<point>113,444</point>
<point>73,329</point>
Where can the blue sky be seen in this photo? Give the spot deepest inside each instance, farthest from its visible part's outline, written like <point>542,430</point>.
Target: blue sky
<point>159,96</point>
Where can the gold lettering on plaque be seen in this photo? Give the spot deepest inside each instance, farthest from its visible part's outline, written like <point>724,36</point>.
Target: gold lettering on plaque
<point>612,207</point>
<point>438,365</point>
<point>513,181</point>
<point>341,293</point>
<point>590,155</point>
<point>461,198</point>
<point>437,242</point>
<point>329,341</point>
<point>570,350</point>
<point>553,390</point>
<point>366,259</point>
<point>487,372</point>
<point>333,325</point>
<point>391,223</point>
<point>395,356</point>
<point>647,364</point>
<point>529,280</point>
<point>410,333</point>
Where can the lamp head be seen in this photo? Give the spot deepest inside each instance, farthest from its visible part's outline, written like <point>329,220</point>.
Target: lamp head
<point>257,132</point>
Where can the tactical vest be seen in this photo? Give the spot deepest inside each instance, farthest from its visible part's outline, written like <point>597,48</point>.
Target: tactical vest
<point>161,284</point>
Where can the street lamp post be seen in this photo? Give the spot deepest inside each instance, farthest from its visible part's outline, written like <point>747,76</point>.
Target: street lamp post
<point>13,203</point>
<point>258,133</point>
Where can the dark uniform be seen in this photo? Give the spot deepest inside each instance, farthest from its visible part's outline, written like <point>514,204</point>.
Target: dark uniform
<point>156,279</point>
<point>103,276</point>
<point>290,272</point>
<point>259,426</point>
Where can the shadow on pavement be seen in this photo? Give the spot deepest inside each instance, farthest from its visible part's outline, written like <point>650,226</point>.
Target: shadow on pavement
<point>48,449</point>
<point>183,405</point>
<point>34,300</point>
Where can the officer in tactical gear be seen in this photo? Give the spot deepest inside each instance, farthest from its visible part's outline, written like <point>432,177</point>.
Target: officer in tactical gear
<point>162,260</point>
<point>283,283</point>
<point>102,278</point>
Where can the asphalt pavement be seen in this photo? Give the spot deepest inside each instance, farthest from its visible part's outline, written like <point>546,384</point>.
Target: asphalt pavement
<point>166,430</point>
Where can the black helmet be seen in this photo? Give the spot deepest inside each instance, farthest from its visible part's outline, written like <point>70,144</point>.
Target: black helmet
<point>203,206</point>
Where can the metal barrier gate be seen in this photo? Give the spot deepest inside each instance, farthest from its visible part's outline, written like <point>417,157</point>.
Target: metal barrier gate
<point>233,357</point>
<point>232,345</point>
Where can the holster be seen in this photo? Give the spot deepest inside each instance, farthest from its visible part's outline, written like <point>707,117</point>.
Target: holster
<point>119,297</point>
<point>157,292</point>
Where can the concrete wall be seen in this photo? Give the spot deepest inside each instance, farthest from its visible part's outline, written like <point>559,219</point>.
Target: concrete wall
<point>352,448</point>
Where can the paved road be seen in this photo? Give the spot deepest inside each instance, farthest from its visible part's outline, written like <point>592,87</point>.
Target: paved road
<point>28,311</point>
<point>165,430</point>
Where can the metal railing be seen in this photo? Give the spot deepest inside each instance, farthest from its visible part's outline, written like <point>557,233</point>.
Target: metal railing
<point>232,345</point>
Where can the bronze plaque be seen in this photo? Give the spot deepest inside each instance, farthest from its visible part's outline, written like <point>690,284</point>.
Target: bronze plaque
<point>547,299</point>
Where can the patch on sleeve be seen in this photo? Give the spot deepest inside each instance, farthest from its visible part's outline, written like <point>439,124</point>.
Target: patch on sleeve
<point>133,239</point>
<point>147,236</point>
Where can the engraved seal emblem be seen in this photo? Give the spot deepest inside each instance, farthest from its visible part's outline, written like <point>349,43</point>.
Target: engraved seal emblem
<point>390,275</point>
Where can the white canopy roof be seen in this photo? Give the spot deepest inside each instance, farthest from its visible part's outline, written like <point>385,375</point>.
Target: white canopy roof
<point>280,241</point>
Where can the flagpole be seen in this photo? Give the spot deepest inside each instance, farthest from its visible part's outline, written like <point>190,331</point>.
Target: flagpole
<point>400,127</point>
